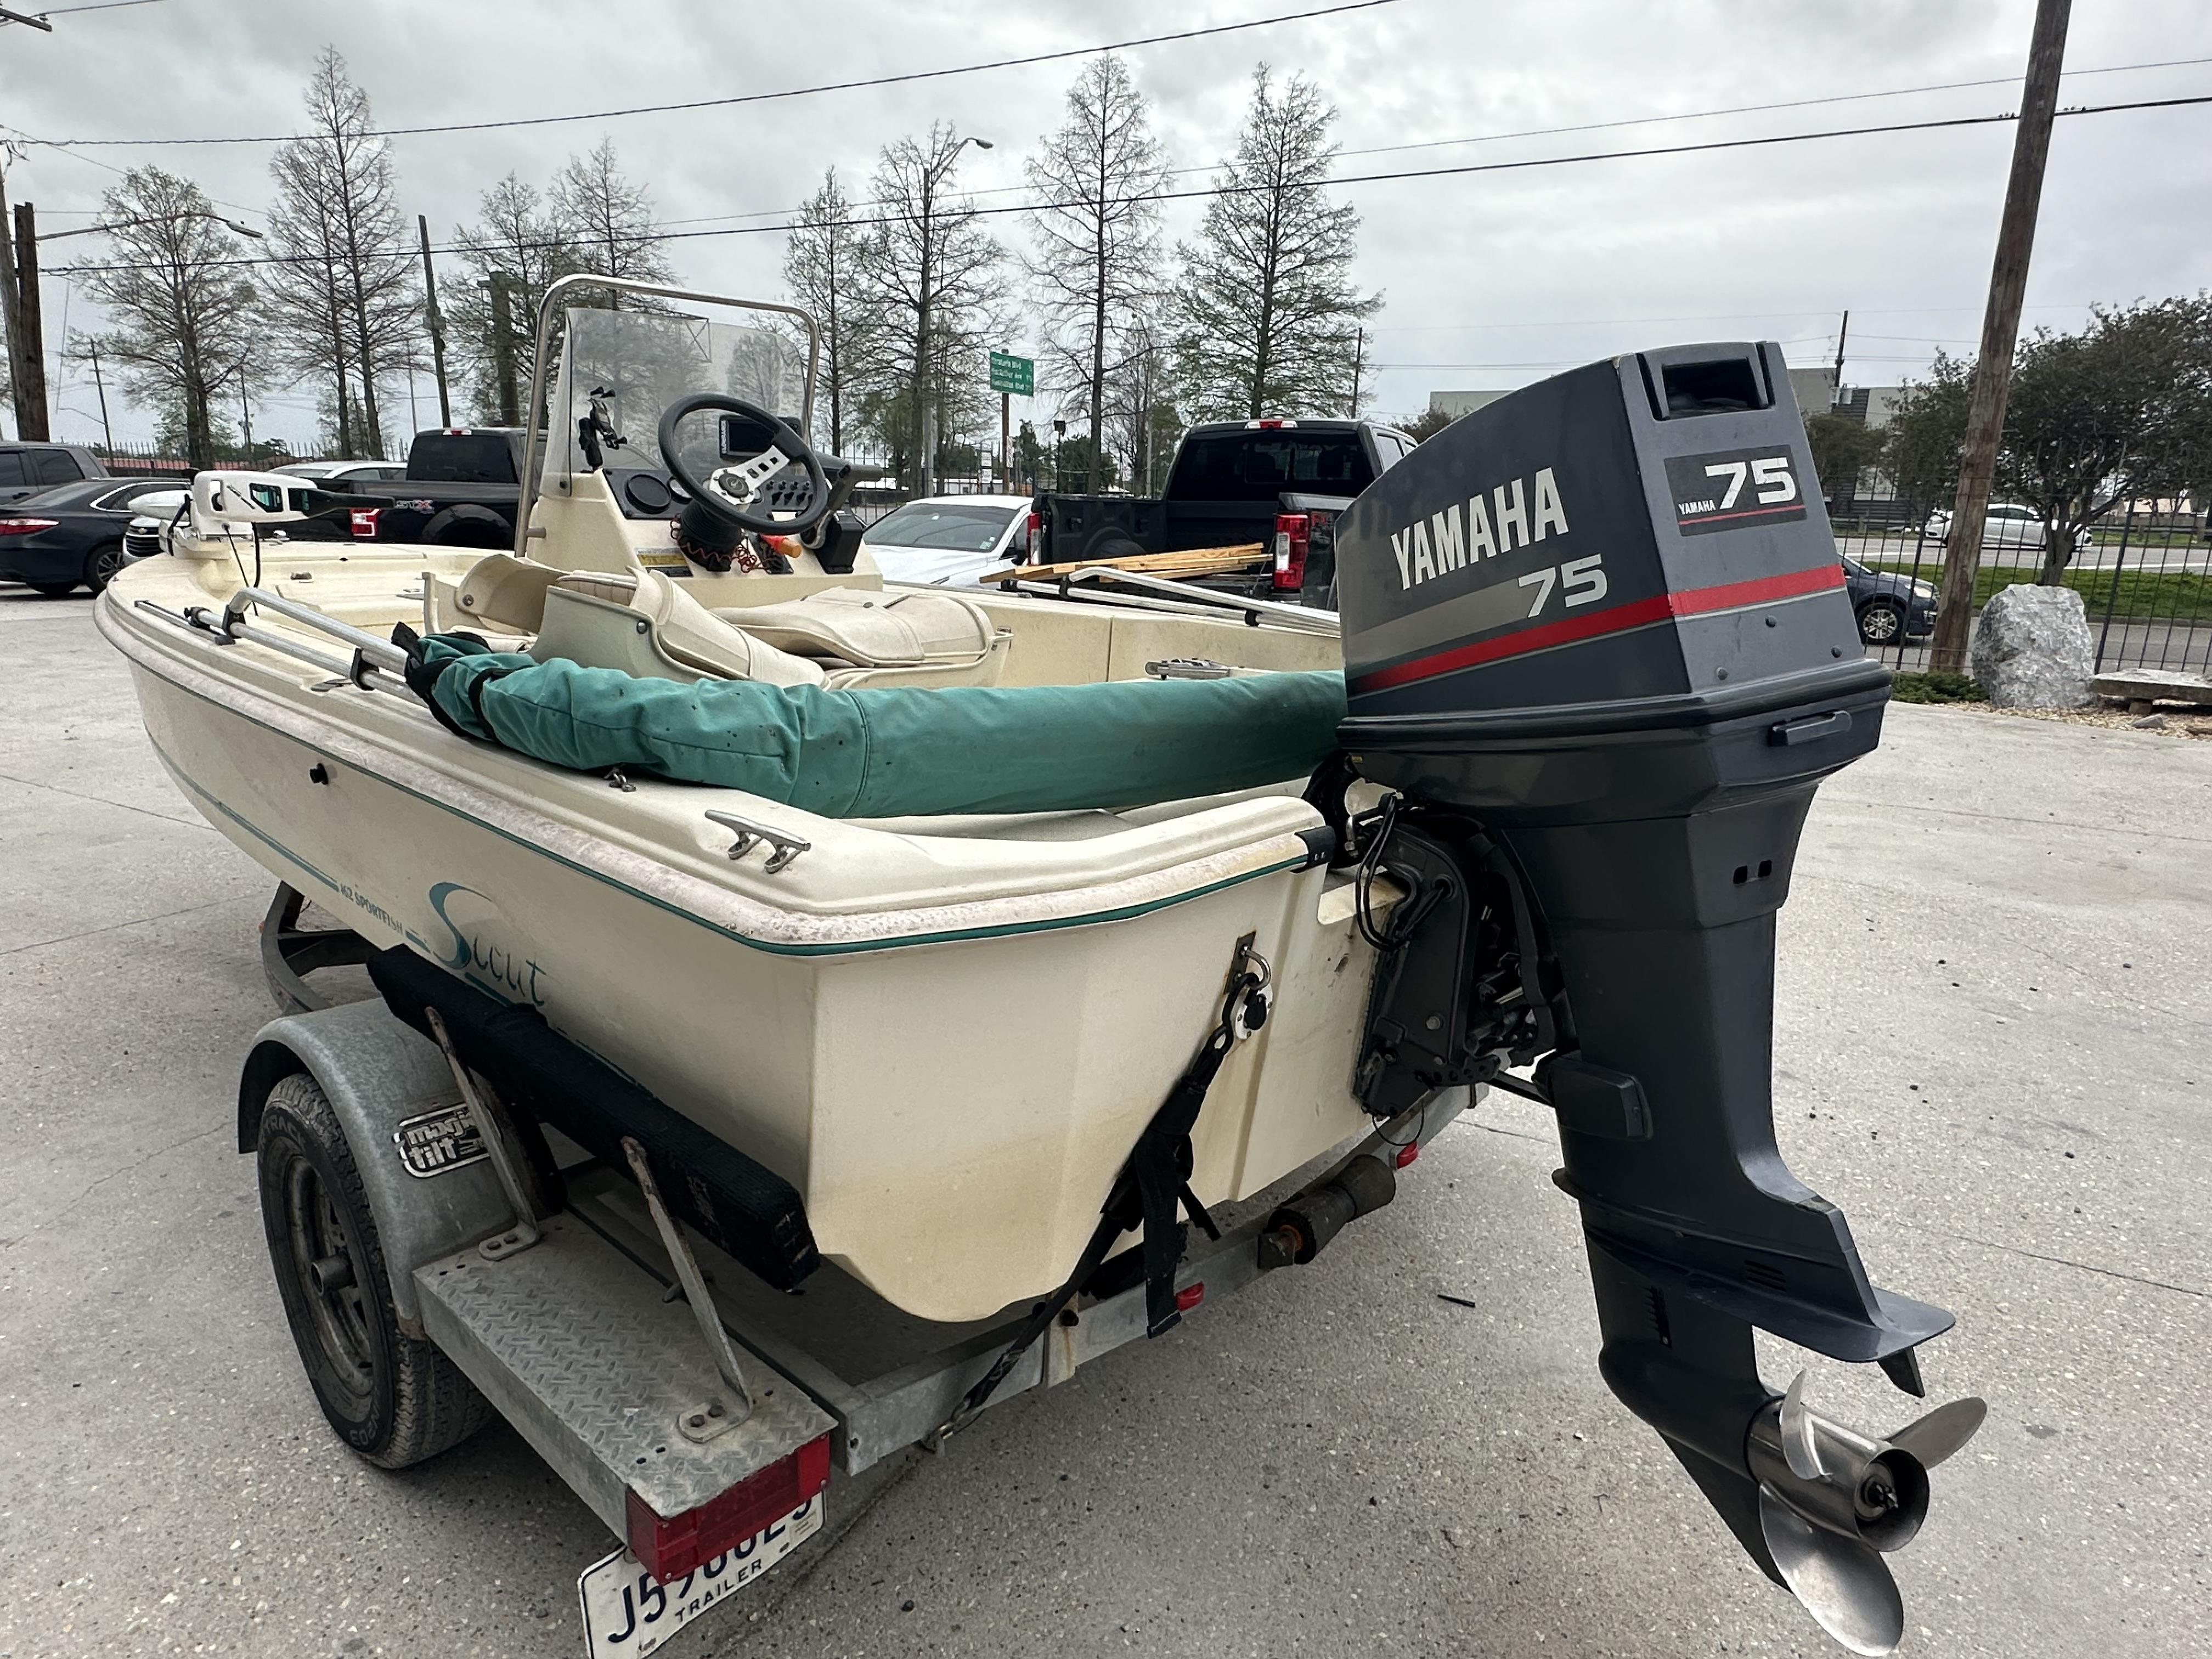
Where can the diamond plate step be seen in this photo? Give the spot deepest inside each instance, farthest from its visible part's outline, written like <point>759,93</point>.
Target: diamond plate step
<point>572,1341</point>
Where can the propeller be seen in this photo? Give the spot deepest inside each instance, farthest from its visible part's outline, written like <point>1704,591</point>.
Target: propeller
<point>1831,1502</point>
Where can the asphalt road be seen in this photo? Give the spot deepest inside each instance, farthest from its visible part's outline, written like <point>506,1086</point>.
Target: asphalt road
<point>2157,558</point>
<point>2126,645</point>
<point>1992,1050</point>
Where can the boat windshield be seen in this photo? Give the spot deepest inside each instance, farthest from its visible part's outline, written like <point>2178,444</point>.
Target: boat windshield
<point>634,363</point>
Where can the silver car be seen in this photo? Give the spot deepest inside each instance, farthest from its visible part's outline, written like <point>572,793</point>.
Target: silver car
<point>2007,523</point>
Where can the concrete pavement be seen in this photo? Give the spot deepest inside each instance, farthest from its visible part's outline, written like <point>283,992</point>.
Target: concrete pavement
<point>1992,1050</point>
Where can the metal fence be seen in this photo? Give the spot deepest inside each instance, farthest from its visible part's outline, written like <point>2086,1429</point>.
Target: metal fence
<point>2144,575</point>
<point>128,460</point>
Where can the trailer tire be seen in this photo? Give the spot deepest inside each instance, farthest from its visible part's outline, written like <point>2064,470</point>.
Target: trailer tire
<point>393,1398</point>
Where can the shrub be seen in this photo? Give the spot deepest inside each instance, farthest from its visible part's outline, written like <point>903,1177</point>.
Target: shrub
<point>1937,685</point>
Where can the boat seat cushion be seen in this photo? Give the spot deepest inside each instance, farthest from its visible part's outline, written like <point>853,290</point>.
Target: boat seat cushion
<point>868,627</point>
<point>647,625</point>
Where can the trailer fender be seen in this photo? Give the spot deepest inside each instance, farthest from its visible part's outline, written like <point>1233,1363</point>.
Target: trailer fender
<point>431,1189</point>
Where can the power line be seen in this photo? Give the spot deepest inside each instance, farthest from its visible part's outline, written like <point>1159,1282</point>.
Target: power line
<point>1462,170</point>
<point>1753,109</point>
<point>1547,133</point>
<point>771,97</point>
<point>68,146</point>
<point>102,5</point>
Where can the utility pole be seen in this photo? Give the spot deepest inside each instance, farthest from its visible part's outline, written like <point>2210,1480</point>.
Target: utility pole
<point>437,323</point>
<point>246,413</point>
<point>26,354</point>
<point>502,349</point>
<point>8,317</point>
<point>1005,441</point>
<point>100,386</point>
<point>1359,363</point>
<point>1843,333</point>
<point>2038,102</point>
<point>28,308</point>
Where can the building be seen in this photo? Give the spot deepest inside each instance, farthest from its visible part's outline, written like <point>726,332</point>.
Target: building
<point>1872,406</point>
<point>1814,389</point>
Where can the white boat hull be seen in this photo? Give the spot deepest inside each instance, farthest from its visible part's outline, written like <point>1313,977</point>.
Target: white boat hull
<point>951,1084</point>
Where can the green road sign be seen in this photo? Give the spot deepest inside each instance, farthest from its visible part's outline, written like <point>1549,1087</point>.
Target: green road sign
<point>1014,374</point>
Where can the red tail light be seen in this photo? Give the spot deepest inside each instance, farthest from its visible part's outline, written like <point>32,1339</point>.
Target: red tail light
<point>668,1546</point>
<point>25,526</point>
<point>1293,536</point>
<point>1036,537</point>
<point>1189,1296</point>
<point>363,521</point>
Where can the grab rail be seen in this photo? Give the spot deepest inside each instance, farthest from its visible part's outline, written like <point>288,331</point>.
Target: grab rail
<point>370,654</point>
<point>381,653</point>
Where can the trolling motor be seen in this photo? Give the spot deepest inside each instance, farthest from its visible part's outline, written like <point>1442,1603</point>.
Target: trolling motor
<point>1597,641</point>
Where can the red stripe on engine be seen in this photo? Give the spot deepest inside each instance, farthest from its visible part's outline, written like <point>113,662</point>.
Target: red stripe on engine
<point>1621,617</point>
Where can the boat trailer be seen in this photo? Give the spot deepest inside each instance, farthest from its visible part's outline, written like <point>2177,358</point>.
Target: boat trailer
<point>696,1406</point>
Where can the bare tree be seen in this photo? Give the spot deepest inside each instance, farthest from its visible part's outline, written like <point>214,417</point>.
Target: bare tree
<point>931,273</point>
<point>1143,424</point>
<point>516,238</point>
<point>607,222</point>
<point>343,299</point>
<point>1098,234</point>
<point>1267,317</point>
<point>820,268</point>
<point>182,308</point>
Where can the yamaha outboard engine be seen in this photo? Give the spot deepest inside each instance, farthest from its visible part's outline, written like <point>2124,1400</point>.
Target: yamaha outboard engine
<point>1599,650</point>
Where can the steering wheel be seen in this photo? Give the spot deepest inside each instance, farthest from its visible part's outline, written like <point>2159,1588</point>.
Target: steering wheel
<point>715,517</point>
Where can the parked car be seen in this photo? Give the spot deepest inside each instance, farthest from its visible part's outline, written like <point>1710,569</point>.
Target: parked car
<point>1278,483</point>
<point>940,540</point>
<point>1889,607</point>
<point>369,471</point>
<point>62,538</point>
<point>27,469</point>
<point>150,518</point>
<point>2007,523</point>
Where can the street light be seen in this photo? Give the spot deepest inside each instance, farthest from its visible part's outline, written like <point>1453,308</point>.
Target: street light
<point>1058,469</point>
<point>926,416</point>
<point>152,219</point>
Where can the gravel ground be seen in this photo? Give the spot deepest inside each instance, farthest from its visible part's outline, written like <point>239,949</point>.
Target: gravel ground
<point>2179,723</point>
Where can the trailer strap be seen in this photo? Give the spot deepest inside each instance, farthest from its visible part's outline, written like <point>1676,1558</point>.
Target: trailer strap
<point>1146,1193</point>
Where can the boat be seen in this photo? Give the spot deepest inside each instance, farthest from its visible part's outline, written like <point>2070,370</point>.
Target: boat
<point>971,942</point>
<point>945,1032</point>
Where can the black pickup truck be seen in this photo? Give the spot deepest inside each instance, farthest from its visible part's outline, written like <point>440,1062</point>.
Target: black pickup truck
<point>461,489</point>
<point>1278,483</point>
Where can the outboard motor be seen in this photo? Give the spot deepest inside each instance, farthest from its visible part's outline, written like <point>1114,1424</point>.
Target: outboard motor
<point>1598,645</point>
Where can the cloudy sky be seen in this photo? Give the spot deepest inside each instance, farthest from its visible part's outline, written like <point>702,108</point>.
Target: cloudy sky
<point>1491,279</point>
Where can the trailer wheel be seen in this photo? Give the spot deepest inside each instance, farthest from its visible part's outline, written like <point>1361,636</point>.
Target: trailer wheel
<point>394,1399</point>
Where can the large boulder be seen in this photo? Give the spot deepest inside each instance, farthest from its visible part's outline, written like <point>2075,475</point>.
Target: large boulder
<point>2032,649</point>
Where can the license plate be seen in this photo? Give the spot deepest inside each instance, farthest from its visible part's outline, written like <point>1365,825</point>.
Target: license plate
<point>627,1615</point>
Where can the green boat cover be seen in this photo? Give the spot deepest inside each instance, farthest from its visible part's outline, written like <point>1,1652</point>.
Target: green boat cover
<point>895,752</point>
